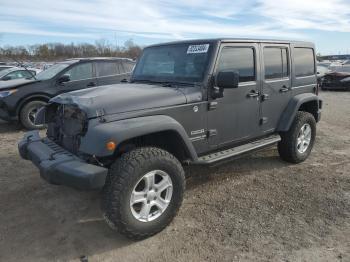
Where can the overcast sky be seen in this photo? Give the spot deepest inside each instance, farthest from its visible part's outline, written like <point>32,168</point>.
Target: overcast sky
<point>325,22</point>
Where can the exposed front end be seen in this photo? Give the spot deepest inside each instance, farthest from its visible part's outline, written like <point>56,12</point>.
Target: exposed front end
<point>57,155</point>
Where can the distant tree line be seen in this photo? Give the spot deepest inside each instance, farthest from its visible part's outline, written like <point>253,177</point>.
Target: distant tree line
<point>59,51</point>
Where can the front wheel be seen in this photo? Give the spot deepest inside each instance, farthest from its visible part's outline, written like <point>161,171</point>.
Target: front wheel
<point>143,192</point>
<point>298,141</point>
<point>28,114</point>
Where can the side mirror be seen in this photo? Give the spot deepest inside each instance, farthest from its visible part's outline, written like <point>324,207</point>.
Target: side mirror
<point>63,79</point>
<point>227,79</point>
<point>6,78</point>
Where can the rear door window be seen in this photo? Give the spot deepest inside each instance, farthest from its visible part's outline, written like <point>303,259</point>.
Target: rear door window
<point>110,68</point>
<point>276,62</point>
<point>80,72</point>
<point>128,66</point>
<point>106,69</point>
<point>304,62</point>
<point>240,59</point>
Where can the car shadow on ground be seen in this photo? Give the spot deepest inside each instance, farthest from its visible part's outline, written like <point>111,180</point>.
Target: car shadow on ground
<point>266,159</point>
<point>7,127</point>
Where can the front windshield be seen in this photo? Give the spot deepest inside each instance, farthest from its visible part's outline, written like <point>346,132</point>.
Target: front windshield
<point>51,71</point>
<point>173,63</point>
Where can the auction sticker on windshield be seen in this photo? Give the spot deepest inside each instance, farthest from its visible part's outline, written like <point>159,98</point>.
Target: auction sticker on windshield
<point>198,49</point>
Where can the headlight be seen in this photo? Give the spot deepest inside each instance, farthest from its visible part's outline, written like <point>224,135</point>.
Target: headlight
<point>7,93</point>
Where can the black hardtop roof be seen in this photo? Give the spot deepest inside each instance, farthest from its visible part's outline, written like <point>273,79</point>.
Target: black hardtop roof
<point>236,40</point>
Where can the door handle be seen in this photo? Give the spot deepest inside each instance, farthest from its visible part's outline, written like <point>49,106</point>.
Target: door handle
<point>253,93</point>
<point>91,84</point>
<point>284,89</point>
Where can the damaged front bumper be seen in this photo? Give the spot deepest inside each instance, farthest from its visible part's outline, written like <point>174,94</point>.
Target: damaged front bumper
<point>58,166</point>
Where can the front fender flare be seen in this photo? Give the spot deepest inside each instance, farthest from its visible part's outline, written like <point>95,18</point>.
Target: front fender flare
<point>98,134</point>
<point>292,108</point>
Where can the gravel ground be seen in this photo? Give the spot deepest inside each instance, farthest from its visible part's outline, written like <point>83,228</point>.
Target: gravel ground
<point>256,208</point>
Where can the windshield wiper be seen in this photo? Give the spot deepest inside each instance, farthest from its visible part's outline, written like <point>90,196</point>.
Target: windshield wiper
<point>175,84</point>
<point>165,83</point>
<point>146,81</point>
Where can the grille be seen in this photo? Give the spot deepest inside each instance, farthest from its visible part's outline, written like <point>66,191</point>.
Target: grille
<point>68,125</point>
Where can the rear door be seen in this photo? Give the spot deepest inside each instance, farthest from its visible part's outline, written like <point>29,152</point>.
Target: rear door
<point>276,84</point>
<point>110,72</point>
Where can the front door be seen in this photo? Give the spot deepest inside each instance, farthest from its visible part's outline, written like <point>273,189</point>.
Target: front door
<point>235,116</point>
<point>276,87</point>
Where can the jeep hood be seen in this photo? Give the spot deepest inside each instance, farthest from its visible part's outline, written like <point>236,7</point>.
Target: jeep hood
<point>10,84</point>
<point>122,98</point>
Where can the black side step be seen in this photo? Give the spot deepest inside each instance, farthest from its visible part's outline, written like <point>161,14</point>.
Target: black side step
<point>235,151</point>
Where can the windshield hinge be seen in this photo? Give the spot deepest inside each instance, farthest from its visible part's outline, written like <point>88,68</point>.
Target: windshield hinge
<point>100,113</point>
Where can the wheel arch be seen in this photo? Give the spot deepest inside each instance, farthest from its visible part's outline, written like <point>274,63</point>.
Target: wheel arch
<point>159,130</point>
<point>168,140</point>
<point>27,99</point>
<point>302,102</point>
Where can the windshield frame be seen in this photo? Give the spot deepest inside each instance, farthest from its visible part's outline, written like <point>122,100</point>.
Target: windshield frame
<point>207,68</point>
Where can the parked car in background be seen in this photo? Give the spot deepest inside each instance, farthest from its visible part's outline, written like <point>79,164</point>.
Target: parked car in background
<point>17,73</point>
<point>321,71</point>
<point>4,67</point>
<point>343,66</point>
<point>336,81</point>
<point>20,99</point>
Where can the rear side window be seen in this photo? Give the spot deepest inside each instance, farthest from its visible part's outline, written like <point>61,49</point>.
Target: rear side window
<point>80,72</point>
<point>276,62</point>
<point>128,66</point>
<point>239,59</point>
<point>304,62</point>
<point>120,68</point>
<point>107,69</point>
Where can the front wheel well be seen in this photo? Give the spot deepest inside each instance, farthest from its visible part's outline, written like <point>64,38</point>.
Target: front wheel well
<point>311,107</point>
<point>168,140</point>
<point>30,99</point>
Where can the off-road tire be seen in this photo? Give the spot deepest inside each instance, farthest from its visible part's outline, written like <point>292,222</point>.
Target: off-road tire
<point>287,147</point>
<point>25,112</point>
<point>122,178</point>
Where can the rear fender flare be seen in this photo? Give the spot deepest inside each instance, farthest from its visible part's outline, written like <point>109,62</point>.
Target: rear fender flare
<point>292,108</point>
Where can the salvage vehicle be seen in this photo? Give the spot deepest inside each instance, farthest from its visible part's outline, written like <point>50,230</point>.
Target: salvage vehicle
<point>20,99</point>
<point>343,66</point>
<point>17,73</point>
<point>335,81</point>
<point>196,102</point>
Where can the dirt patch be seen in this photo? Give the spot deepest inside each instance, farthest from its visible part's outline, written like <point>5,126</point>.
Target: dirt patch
<point>254,208</point>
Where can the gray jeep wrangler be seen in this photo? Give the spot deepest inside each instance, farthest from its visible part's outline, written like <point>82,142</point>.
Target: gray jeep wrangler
<point>187,103</point>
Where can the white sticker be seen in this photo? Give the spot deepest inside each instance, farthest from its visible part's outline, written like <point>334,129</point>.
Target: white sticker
<point>198,49</point>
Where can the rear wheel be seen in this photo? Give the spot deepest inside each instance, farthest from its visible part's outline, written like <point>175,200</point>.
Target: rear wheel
<point>297,142</point>
<point>143,192</point>
<point>28,114</point>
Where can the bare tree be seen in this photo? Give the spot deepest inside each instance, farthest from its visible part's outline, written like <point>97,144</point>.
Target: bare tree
<point>59,51</point>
